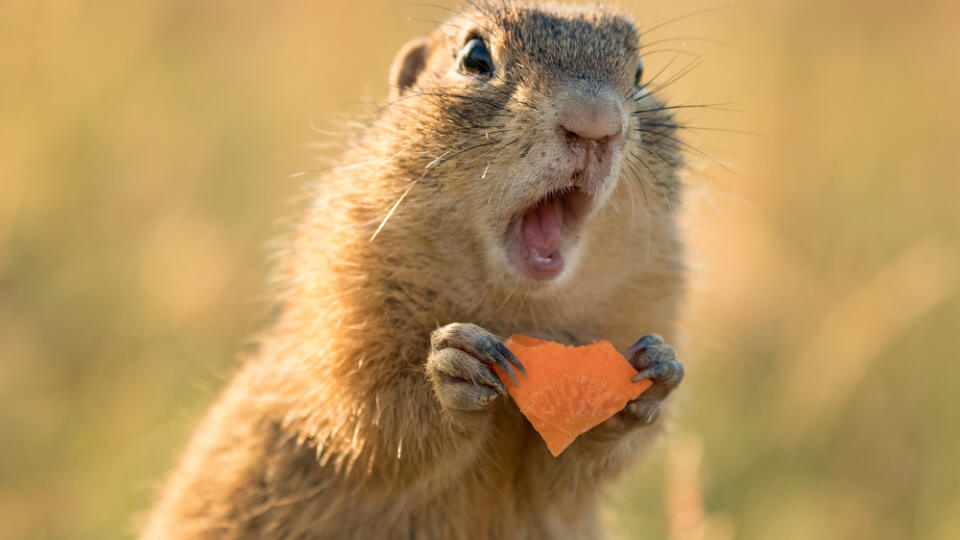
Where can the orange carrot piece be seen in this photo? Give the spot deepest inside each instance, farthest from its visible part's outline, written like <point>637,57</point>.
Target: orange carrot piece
<point>569,390</point>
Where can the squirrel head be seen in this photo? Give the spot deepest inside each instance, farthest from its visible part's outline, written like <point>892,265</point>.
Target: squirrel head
<point>530,120</point>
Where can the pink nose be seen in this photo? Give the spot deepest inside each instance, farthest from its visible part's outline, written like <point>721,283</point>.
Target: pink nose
<point>591,117</point>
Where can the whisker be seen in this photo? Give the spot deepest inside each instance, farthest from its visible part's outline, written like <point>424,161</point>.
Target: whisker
<point>658,183</point>
<point>660,72</point>
<point>446,95</point>
<point>455,12</point>
<point>389,159</point>
<point>643,190</point>
<point>669,163</point>
<point>709,199</point>
<point>439,92</point>
<point>687,16</point>
<point>458,152</point>
<point>686,70</point>
<point>695,185</point>
<point>689,146</point>
<point>394,207</point>
<point>435,161</point>
<point>688,38</point>
<point>476,5</point>
<point>320,170</point>
<point>443,158</point>
<point>672,107</point>
<point>701,128</point>
<point>678,51</point>
<point>438,23</point>
<point>327,133</point>
<point>511,97</point>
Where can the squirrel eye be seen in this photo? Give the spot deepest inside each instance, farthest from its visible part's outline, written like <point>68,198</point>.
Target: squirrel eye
<point>475,58</point>
<point>638,77</point>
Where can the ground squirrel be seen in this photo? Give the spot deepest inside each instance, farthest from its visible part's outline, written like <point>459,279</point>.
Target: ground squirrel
<point>520,178</point>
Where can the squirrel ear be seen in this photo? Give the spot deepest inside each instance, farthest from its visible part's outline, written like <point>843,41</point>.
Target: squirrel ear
<point>407,66</point>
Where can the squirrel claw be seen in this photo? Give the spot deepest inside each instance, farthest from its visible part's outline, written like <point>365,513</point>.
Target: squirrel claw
<point>460,365</point>
<point>657,361</point>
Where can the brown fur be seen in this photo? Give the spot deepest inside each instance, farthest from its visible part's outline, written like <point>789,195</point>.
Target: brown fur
<point>333,430</point>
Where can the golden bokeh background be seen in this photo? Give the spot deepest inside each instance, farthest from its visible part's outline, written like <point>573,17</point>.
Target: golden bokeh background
<point>149,151</point>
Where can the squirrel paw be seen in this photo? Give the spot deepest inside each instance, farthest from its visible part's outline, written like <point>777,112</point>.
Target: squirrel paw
<point>460,366</point>
<point>656,361</point>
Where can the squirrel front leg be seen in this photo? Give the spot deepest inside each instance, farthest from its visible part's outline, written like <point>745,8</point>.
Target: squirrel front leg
<point>460,368</point>
<point>433,420</point>
<point>447,407</point>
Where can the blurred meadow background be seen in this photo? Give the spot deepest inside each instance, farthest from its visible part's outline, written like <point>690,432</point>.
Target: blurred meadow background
<point>149,151</point>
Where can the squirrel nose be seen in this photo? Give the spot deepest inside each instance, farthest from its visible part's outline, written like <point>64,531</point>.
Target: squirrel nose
<point>593,118</point>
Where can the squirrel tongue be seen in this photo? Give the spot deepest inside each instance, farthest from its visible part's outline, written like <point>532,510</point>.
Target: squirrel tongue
<point>541,229</point>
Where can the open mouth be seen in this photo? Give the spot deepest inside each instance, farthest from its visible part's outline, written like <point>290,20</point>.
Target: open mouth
<point>545,228</point>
